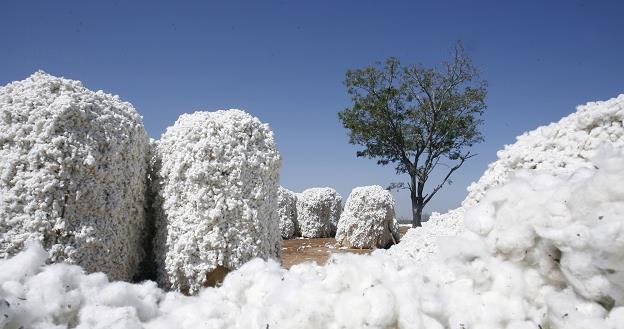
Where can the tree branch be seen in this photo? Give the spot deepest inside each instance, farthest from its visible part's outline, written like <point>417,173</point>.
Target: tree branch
<point>451,171</point>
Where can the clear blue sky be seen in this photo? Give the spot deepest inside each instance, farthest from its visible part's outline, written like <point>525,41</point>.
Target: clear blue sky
<point>285,62</point>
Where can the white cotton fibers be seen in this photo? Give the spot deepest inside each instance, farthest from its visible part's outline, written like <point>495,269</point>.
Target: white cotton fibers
<point>552,260</point>
<point>287,211</point>
<point>318,211</point>
<point>73,166</point>
<point>217,182</point>
<point>368,219</point>
<point>559,148</point>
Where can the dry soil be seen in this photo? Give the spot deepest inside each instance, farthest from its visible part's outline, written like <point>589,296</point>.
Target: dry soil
<point>302,250</point>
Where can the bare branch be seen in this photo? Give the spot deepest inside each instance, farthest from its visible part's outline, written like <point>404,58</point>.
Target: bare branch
<point>450,172</point>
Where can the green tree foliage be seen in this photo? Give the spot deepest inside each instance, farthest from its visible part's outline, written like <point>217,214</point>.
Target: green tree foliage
<point>417,119</point>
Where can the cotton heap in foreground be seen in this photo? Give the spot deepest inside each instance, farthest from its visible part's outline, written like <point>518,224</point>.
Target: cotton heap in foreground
<point>540,251</point>
<point>73,165</point>
<point>368,219</point>
<point>216,181</point>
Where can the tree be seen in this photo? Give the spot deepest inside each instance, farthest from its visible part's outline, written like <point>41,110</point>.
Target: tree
<point>417,119</point>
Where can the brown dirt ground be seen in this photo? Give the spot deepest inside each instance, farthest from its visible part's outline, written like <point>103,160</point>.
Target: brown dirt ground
<point>302,250</point>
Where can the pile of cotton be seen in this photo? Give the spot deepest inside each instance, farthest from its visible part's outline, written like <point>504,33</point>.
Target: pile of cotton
<point>73,166</point>
<point>287,211</point>
<point>368,219</point>
<point>541,251</point>
<point>217,188</point>
<point>318,212</point>
<point>420,244</point>
<point>560,148</point>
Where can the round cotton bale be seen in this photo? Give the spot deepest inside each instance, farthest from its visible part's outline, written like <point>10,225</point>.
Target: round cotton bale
<point>287,211</point>
<point>217,189</point>
<point>368,220</point>
<point>318,211</point>
<point>73,166</point>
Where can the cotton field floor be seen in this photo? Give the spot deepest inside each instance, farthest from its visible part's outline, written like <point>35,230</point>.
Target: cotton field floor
<point>303,250</point>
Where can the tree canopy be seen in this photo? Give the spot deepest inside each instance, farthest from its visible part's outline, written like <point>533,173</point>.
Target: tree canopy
<point>416,118</point>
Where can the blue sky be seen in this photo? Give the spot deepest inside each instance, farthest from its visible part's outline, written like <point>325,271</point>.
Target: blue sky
<point>285,62</point>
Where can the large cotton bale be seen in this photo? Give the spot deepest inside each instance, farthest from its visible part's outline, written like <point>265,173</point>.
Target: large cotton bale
<point>368,219</point>
<point>217,177</point>
<point>318,211</point>
<point>287,211</point>
<point>73,166</point>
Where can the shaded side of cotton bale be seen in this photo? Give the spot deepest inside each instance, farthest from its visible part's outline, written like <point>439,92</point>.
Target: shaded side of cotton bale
<point>287,211</point>
<point>72,174</point>
<point>217,192</point>
<point>368,220</point>
<point>318,211</point>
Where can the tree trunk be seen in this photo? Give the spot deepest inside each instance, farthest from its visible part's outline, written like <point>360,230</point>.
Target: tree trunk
<point>417,203</point>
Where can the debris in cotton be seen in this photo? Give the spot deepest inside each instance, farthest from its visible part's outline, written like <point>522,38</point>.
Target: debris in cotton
<point>217,189</point>
<point>287,211</point>
<point>559,148</point>
<point>541,250</point>
<point>73,166</point>
<point>318,212</point>
<point>368,219</point>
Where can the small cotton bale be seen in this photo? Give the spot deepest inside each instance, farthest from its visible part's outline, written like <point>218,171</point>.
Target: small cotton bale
<point>318,211</point>
<point>287,211</point>
<point>368,220</point>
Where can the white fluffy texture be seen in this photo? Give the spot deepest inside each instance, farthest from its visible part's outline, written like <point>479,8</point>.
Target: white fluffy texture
<point>287,211</point>
<point>420,244</point>
<point>368,220</point>
<point>541,251</point>
<point>217,188</point>
<point>559,148</point>
<point>318,212</point>
<point>73,165</point>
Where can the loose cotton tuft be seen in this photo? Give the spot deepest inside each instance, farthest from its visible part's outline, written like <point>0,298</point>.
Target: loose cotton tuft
<point>368,219</point>
<point>318,212</point>
<point>217,182</point>
<point>287,211</point>
<point>73,165</point>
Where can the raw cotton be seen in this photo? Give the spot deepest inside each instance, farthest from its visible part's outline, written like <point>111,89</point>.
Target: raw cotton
<point>421,243</point>
<point>559,148</point>
<point>73,166</point>
<point>318,212</point>
<point>217,189</point>
<point>368,219</point>
<point>287,211</point>
<point>541,251</point>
